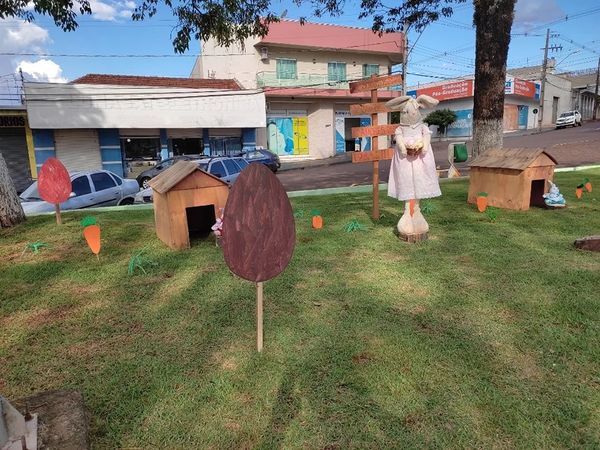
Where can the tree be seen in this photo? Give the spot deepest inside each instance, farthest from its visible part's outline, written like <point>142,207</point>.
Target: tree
<point>442,118</point>
<point>11,212</point>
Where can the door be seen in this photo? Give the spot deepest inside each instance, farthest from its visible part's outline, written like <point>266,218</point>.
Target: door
<point>511,117</point>
<point>13,147</point>
<point>107,193</point>
<point>82,194</point>
<point>233,170</point>
<point>523,115</point>
<point>300,127</point>
<point>554,109</point>
<point>365,142</point>
<point>280,135</point>
<point>78,150</point>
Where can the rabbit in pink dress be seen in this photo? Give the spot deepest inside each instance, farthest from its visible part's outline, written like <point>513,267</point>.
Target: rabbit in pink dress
<point>413,175</point>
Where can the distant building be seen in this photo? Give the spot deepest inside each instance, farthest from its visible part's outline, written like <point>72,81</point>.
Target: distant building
<point>16,146</point>
<point>521,101</point>
<point>121,123</point>
<point>304,70</point>
<point>583,83</point>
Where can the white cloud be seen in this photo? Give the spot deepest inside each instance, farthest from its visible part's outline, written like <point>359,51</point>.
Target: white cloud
<point>128,4</point>
<point>42,70</point>
<point>17,35</point>
<point>533,12</point>
<point>110,10</point>
<point>125,13</point>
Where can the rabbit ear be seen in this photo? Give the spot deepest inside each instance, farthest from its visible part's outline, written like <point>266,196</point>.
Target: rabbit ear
<point>397,103</point>
<point>425,101</point>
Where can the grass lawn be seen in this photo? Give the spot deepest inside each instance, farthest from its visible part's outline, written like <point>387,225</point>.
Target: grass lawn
<point>485,336</point>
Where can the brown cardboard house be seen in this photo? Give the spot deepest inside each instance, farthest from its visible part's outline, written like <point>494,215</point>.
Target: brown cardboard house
<point>187,202</point>
<point>514,178</point>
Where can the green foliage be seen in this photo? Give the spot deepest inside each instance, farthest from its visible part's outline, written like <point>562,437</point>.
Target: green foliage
<point>139,262</point>
<point>428,207</point>
<point>354,225</point>
<point>299,213</point>
<point>492,213</point>
<point>35,247</point>
<point>441,117</point>
<point>60,11</point>
<point>87,221</point>
<point>315,212</point>
<point>482,194</point>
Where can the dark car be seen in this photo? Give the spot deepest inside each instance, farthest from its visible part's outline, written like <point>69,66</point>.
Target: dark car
<point>263,156</point>
<point>147,175</point>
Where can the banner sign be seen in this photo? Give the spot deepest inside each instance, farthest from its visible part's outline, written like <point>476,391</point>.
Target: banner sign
<point>448,91</point>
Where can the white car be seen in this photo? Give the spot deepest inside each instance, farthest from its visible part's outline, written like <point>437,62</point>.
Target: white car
<point>90,189</point>
<point>569,119</point>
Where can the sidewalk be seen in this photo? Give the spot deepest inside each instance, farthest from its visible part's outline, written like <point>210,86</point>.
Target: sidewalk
<point>298,165</point>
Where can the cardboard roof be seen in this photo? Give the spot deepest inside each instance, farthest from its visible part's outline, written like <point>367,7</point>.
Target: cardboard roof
<point>510,158</point>
<point>168,179</point>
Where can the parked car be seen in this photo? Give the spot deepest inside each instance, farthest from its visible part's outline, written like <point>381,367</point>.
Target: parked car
<point>224,167</point>
<point>263,156</point>
<point>569,118</point>
<point>90,189</point>
<point>147,175</point>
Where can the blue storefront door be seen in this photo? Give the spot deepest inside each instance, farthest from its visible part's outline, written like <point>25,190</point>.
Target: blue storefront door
<point>523,114</point>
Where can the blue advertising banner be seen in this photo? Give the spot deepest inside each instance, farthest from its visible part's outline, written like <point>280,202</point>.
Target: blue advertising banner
<point>463,124</point>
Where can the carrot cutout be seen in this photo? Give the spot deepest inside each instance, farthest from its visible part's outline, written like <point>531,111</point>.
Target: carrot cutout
<point>482,201</point>
<point>92,236</point>
<point>588,184</point>
<point>317,220</point>
<point>579,191</point>
<point>411,207</point>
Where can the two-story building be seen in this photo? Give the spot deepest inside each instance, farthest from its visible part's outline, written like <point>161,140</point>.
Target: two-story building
<point>304,71</point>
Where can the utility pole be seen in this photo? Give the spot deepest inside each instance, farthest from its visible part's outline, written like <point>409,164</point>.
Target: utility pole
<point>543,88</point>
<point>596,91</point>
<point>405,59</point>
<point>22,86</point>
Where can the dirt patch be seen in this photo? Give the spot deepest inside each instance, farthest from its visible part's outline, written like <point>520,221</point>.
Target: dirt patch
<point>45,316</point>
<point>62,419</point>
<point>362,358</point>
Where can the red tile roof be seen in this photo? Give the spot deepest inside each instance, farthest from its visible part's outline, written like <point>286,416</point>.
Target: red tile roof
<point>336,37</point>
<point>134,80</point>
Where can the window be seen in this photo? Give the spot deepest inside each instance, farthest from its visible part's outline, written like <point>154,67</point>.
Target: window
<point>81,186</point>
<point>217,169</point>
<point>117,179</point>
<point>102,181</point>
<point>241,162</point>
<point>336,71</point>
<point>231,166</point>
<point>370,69</point>
<point>286,69</point>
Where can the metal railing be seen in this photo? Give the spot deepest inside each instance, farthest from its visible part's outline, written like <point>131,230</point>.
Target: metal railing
<point>269,79</point>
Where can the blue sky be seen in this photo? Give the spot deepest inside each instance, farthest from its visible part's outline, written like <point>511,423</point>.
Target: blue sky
<point>444,49</point>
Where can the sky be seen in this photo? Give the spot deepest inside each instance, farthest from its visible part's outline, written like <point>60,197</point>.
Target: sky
<point>445,49</point>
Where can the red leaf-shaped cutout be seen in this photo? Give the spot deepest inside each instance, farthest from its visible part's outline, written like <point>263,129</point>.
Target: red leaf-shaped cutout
<point>259,233</point>
<point>54,182</point>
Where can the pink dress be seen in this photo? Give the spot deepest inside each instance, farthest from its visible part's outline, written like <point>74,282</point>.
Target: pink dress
<point>413,177</point>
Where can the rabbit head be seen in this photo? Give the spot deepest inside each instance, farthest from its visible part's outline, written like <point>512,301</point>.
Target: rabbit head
<point>409,107</point>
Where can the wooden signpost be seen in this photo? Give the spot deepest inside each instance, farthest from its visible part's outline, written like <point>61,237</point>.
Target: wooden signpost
<point>374,130</point>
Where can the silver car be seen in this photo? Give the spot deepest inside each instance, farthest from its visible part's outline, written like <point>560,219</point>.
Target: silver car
<point>569,119</point>
<point>90,189</point>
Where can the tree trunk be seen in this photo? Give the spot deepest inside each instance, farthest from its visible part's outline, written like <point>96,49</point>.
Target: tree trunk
<point>493,21</point>
<point>11,212</point>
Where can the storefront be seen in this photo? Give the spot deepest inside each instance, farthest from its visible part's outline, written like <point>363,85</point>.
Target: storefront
<point>16,146</point>
<point>126,130</point>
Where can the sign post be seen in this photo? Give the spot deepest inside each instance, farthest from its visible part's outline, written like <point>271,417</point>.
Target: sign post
<point>374,130</point>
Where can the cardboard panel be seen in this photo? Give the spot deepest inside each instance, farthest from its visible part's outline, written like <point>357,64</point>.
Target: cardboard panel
<point>375,83</point>
<point>377,155</point>
<point>368,108</point>
<point>375,130</point>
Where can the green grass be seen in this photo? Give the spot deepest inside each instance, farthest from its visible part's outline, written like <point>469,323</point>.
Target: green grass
<point>485,336</point>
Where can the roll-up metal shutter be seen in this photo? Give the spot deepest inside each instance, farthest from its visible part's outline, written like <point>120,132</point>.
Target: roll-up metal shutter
<point>13,147</point>
<point>226,132</point>
<point>78,150</point>
<point>139,132</point>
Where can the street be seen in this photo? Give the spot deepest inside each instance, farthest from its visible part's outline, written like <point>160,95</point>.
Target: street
<point>569,146</point>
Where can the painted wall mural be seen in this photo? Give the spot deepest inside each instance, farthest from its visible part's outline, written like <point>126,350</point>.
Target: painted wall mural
<point>288,135</point>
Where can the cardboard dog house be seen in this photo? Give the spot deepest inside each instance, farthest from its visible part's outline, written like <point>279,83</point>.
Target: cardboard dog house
<point>514,178</point>
<point>187,202</point>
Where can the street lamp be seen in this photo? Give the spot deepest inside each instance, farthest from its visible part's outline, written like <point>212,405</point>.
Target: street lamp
<point>570,54</point>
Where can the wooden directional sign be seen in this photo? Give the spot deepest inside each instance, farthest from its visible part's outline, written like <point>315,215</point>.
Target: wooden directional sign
<point>374,83</point>
<point>369,108</point>
<point>374,130</point>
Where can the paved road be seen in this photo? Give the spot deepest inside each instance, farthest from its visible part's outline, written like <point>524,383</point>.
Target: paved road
<point>569,146</point>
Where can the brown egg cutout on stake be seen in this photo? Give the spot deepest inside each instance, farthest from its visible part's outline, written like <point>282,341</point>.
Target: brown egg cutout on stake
<point>259,232</point>
<point>54,184</point>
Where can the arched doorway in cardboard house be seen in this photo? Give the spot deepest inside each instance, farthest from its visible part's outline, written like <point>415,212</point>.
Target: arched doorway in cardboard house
<point>200,220</point>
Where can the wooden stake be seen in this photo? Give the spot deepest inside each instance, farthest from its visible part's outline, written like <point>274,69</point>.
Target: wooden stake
<point>374,148</point>
<point>58,216</point>
<point>259,316</point>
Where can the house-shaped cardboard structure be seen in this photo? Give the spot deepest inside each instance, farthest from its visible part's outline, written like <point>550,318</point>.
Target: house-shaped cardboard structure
<point>514,178</point>
<point>187,201</point>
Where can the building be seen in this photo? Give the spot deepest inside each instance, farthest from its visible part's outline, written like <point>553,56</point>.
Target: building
<point>583,83</point>
<point>521,102</point>
<point>16,146</point>
<point>121,123</point>
<point>304,71</point>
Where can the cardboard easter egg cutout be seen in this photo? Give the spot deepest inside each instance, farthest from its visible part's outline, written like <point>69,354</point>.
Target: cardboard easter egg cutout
<point>258,225</point>
<point>54,182</point>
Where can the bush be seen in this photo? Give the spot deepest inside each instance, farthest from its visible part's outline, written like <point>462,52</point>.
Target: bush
<point>442,118</point>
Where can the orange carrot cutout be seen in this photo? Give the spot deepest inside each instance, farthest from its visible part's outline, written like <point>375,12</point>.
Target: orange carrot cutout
<point>92,236</point>
<point>579,191</point>
<point>317,219</point>
<point>411,207</point>
<point>482,201</point>
<point>588,185</point>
